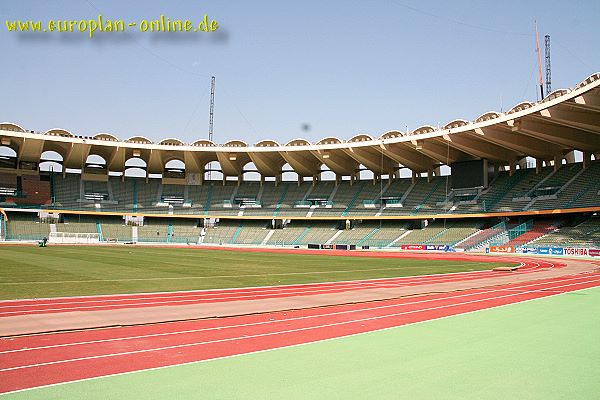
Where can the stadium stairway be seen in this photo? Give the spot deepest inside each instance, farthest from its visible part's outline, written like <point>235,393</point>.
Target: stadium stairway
<point>482,237</point>
<point>539,229</point>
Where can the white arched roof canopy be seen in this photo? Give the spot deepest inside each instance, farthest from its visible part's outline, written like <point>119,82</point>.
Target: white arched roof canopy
<point>58,132</point>
<point>203,143</point>
<point>589,79</point>
<point>520,107</point>
<point>392,134</point>
<point>487,116</point>
<point>456,123</point>
<point>236,143</point>
<point>139,139</point>
<point>555,93</point>
<point>330,140</point>
<point>171,142</point>
<point>298,142</point>
<point>9,126</point>
<point>423,129</point>
<point>267,143</point>
<point>363,137</point>
<point>106,136</point>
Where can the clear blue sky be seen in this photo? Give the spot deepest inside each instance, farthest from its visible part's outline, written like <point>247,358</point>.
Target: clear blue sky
<point>343,67</point>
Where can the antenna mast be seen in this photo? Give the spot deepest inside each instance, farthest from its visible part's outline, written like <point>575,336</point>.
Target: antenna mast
<point>539,57</point>
<point>548,71</point>
<point>212,108</point>
<point>211,118</point>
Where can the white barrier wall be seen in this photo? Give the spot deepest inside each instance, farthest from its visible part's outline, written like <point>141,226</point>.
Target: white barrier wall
<point>67,237</point>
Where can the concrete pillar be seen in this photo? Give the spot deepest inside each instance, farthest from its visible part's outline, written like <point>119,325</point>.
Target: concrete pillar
<point>511,168</point>
<point>586,159</point>
<point>538,165</point>
<point>557,162</point>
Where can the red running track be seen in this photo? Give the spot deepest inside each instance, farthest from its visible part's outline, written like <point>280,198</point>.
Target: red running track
<point>111,302</point>
<point>38,360</point>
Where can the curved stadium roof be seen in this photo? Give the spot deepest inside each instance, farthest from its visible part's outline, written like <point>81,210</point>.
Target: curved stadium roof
<point>565,120</point>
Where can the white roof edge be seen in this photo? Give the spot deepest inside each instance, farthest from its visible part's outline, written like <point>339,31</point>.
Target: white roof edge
<point>503,117</point>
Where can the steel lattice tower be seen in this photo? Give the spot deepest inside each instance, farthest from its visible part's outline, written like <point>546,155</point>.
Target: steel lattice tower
<point>548,70</point>
<point>211,117</point>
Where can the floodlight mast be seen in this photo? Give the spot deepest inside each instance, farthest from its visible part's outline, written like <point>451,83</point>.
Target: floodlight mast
<point>211,118</point>
<point>212,109</point>
<point>539,57</point>
<point>548,69</point>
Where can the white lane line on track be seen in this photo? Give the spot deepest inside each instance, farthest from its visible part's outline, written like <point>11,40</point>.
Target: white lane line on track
<point>435,278</point>
<point>111,296</point>
<point>275,333</point>
<point>457,296</point>
<point>223,299</point>
<point>275,289</point>
<point>273,348</point>
<point>334,288</point>
<point>276,348</point>
<point>216,276</point>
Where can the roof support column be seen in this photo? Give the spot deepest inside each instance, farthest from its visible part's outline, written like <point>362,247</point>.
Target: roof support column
<point>511,168</point>
<point>430,174</point>
<point>557,162</point>
<point>538,165</point>
<point>414,177</point>
<point>586,159</point>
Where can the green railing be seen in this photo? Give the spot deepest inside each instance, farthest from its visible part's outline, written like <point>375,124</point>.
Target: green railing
<point>367,237</point>
<point>489,203</point>
<point>237,233</point>
<point>520,229</point>
<point>208,200</point>
<point>302,235</point>
<point>431,192</point>
<point>281,199</point>
<point>353,200</point>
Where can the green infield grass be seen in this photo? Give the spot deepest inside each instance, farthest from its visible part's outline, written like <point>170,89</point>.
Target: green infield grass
<point>32,272</point>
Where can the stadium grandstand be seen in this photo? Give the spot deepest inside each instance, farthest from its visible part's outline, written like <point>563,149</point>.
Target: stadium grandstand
<point>525,177</point>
